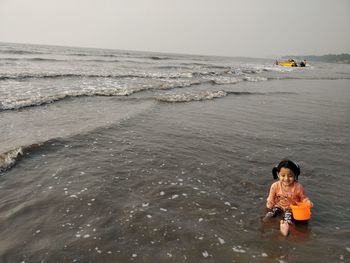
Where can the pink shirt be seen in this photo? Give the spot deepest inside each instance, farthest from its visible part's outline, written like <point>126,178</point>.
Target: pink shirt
<point>282,198</point>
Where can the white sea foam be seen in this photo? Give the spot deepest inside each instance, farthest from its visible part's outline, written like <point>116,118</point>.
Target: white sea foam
<point>238,249</point>
<point>187,97</point>
<point>254,78</point>
<point>222,241</point>
<point>223,79</point>
<point>205,254</point>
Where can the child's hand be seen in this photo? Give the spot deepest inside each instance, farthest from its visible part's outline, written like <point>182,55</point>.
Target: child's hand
<point>308,202</point>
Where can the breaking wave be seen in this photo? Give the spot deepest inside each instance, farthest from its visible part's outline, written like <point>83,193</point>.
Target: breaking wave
<point>68,75</point>
<point>9,159</point>
<point>33,59</point>
<point>158,58</point>
<point>14,104</point>
<point>38,59</point>
<point>18,103</point>
<point>209,95</point>
<point>156,75</point>
<point>20,52</point>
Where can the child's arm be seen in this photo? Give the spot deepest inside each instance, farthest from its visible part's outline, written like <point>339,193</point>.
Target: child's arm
<point>270,203</point>
<point>271,198</point>
<point>303,197</point>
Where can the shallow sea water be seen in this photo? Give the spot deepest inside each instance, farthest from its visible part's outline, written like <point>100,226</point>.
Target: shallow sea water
<point>139,178</point>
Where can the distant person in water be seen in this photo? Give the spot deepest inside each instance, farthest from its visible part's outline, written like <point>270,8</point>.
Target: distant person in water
<point>285,192</point>
<point>303,63</point>
<point>294,64</point>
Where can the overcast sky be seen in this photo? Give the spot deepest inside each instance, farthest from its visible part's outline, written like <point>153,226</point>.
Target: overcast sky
<point>252,28</point>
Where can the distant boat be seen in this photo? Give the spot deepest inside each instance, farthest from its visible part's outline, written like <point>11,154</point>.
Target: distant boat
<point>290,63</point>
<point>287,63</point>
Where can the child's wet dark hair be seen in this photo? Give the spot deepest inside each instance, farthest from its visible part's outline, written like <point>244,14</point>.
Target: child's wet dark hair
<point>286,163</point>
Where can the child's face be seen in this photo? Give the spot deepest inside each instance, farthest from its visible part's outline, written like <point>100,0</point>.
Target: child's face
<point>286,176</point>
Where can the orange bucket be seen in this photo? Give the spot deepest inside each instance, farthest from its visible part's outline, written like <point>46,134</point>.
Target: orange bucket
<point>301,211</point>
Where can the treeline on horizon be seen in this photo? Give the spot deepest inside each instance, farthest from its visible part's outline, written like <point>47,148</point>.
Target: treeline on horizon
<point>332,58</point>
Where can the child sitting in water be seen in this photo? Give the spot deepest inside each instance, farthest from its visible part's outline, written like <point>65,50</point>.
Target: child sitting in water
<point>285,192</point>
